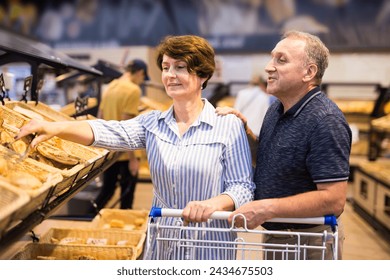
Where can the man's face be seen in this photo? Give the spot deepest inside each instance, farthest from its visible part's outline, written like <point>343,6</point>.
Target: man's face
<point>286,68</point>
<point>139,77</point>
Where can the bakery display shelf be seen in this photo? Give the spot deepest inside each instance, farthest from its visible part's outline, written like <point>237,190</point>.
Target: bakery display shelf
<point>18,48</point>
<point>52,203</point>
<point>371,194</point>
<point>14,115</point>
<point>381,124</point>
<point>47,251</point>
<point>379,131</point>
<point>11,199</point>
<point>379,171</point>
<point>37,110</point>
<point>367,106</point>
<point>91,236</point>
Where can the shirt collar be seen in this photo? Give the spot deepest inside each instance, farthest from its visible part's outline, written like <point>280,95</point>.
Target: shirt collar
<point>207,115</point>
<point>297,108</point>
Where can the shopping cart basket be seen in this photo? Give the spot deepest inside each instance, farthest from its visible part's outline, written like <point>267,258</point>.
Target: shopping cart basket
<point>179,242</point>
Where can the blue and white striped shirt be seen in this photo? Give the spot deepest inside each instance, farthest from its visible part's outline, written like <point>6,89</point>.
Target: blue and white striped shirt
<point>211,158</point>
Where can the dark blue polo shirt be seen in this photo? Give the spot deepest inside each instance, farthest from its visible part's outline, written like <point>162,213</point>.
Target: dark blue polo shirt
<point>308,144</point>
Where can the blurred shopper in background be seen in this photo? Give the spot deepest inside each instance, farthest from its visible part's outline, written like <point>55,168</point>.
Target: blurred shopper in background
<point>120,101</point>
<point>199,162</point>
<point>253,103</point>
<point>220,91</point>
<point>302,164</point>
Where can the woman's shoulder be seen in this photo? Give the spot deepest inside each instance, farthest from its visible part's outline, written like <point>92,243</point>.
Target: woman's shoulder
<point>151,119</point>
<point>150,114</point>
<point>228,118</point>
<point>228,123</point>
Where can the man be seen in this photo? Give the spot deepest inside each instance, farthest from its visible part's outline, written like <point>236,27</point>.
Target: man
<point>120,101</point>
<point>302,164</point>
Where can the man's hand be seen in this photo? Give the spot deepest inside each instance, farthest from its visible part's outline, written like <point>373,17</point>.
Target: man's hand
<point>229,110</point>
<point>255,212</point>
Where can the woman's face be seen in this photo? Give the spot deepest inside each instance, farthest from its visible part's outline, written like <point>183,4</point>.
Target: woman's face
<point>178,82</point>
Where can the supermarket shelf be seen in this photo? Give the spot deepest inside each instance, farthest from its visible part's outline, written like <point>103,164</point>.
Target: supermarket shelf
<point>53,203</point>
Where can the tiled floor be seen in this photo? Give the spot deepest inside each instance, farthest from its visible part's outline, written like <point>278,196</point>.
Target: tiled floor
<point>362,242</point>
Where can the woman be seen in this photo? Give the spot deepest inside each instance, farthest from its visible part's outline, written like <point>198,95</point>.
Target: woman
<point>198,161</point>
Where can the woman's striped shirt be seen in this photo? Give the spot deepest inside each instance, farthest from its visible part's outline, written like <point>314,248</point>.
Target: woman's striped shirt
<point>211,158</point>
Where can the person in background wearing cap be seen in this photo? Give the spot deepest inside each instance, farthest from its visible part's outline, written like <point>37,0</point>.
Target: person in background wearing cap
<point>199,162</point>
<point>120,101</point>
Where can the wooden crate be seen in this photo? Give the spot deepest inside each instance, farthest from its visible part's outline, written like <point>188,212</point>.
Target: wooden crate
<point>45,251</point>
<point>100,237</point>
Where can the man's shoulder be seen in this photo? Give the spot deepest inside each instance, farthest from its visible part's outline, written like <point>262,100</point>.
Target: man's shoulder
<point>327,105</point>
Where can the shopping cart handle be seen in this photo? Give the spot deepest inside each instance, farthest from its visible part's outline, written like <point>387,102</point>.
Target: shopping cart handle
<point>224,215</point>
<point>329,220</point>
<point>167,212</point>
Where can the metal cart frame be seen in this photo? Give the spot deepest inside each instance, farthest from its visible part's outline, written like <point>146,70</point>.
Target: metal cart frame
<point>249,244</point>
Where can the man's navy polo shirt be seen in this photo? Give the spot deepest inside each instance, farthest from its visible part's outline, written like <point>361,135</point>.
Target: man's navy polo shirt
<point>308,144</point>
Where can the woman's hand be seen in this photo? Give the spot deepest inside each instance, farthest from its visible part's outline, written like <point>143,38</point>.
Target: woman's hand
<point>75,131</point>
<point>200,211</point>
<point>43,130</point>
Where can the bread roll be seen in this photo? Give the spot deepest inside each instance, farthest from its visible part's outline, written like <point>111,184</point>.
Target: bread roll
<point>24,180</point>
<point>116,223</point>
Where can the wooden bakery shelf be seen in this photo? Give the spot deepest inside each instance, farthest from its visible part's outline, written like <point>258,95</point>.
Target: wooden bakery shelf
<point>58,182</point>
<point>371,194</point>
<point>18,229</point>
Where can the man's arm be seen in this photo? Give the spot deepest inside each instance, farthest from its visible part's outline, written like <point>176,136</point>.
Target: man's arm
<point>329,198</point>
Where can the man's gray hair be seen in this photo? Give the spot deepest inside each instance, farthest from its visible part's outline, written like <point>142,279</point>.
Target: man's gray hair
<point>315,49</point>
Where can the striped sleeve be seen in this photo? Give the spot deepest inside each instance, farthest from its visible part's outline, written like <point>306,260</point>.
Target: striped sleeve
<point>118,135</point>
<point>238,171</point>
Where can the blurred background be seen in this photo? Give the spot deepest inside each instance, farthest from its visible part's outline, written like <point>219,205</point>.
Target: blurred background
<point>242,31</point>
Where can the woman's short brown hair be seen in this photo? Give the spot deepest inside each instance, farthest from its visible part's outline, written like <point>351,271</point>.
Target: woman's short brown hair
<point>194,50</point>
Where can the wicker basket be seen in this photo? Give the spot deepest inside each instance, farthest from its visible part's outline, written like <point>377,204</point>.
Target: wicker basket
<point>34,251</point>
<point>88,157</point>
<point>12,118</point>
<point>44,110</point>
<point>70,109</point>
<point>130,218</point>
<point>48,175</point>
<point>85,155</point>
<point>11,199</point>
<point>109,237</point>
<point>48,114</point>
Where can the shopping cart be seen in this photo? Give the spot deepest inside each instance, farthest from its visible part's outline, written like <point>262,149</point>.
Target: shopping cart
<point>179,242</point>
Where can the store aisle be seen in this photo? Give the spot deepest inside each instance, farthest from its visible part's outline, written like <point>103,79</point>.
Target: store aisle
<point>362,242</point>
